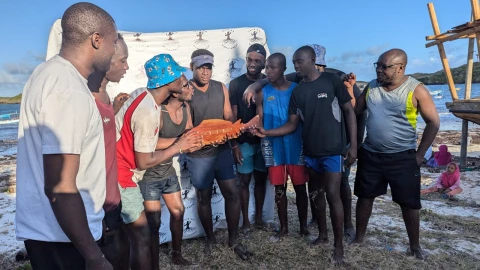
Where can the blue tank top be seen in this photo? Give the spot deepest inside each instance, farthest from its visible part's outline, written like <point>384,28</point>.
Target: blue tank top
<point>286,149</point>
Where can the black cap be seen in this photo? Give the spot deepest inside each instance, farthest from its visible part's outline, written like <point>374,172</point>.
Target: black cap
<point>257,48</point>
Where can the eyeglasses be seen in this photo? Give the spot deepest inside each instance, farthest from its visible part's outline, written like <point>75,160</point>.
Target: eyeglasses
<point>383,66</point>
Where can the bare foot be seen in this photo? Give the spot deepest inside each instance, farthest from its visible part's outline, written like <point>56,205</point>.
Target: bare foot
<point>209,244</point>
<point>417,252</point>
<point>356,243</point>
<point>338,256</point>
<point>304,232</point>
<point>241,251</point>
<point>320,241</point>
<point>177,259</point>
<point>262,225</point>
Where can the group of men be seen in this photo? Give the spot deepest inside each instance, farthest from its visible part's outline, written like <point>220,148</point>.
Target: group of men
<point>91,172</point>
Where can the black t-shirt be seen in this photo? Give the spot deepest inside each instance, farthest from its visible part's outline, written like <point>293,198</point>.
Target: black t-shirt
<point>361,119</point>
<point>236,88</point>
<point>318,105</point>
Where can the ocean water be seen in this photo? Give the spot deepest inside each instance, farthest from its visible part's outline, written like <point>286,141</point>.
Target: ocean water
<point>447,120</point>
<point>8,133</point>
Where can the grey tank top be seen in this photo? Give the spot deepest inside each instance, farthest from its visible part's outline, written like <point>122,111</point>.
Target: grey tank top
<point>392,119</point>
<point>169,130</point>
<point>207,105</point>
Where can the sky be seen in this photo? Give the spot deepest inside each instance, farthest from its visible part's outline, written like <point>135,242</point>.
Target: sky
<point>354,32</point>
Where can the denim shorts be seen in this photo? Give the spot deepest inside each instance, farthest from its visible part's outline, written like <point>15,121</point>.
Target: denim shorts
<point>153,190</point>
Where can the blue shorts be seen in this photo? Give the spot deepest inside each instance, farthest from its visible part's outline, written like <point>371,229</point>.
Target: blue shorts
<point>204,169</point>
<point>332,164</point>
<point>252,158</point>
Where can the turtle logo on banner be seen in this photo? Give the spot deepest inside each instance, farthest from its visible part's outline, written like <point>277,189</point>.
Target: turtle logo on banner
<point>182,162</point>
<point>189,228</point>
<point>234,67</point>
<point>216,194</point>
<point>217,217</point>
<point>229,42</point>
<point>256,38</point>
<point>201,43</point>
<point>171,44</point>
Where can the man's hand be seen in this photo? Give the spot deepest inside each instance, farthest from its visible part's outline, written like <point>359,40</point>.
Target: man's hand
<point>190,141</point>
<point>259,132</point>
<point>100,264</point>
<point>119,100</point>
<point>249,96</point>
<point>351,156</point>
<point>350,80</point>
<point>419,157</point>
<point>237,155</point>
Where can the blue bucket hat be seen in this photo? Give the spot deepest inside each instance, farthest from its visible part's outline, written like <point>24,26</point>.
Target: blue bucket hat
<point>161,70</point>
<point>320,52</point>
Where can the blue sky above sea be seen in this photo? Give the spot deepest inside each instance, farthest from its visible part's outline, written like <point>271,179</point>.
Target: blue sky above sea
<point>354,32</point>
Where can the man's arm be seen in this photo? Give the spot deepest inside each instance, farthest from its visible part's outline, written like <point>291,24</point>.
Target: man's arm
<point>63,125</point>
<point>249,93</point>
<point>287,128</point>
<point>361,101</point>
<point>351,123</point>
<point>143,124</point>
<point>259,104</point>
<point>428,111</point>
<point>232,93</point>
<point>60,172</point>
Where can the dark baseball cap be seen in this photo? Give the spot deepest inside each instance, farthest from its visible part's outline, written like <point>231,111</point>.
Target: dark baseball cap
<point>257,48</point>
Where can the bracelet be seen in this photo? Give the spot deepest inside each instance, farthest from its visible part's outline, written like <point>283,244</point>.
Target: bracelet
<point>179,149</point>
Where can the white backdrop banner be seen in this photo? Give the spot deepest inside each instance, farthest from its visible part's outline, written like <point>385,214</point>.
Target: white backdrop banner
<point>229,47</point>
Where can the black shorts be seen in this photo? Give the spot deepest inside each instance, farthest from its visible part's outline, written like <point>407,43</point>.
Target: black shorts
<point>54,255</point>
<point>399,170</point>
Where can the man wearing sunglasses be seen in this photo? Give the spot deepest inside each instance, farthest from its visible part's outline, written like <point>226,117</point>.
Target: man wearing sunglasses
<point>389,155</point>
<point>138,124</point>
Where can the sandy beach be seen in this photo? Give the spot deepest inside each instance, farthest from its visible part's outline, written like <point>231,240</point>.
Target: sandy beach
<point>450,229</point>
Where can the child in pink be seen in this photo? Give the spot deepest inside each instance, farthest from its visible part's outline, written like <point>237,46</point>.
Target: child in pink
<point>448,182</point>
<point>443,157</point>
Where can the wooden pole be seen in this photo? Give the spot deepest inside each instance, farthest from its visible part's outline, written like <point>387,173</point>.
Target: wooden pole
<point>441,50</point>
<point>468,90</point>
<point>475,9</point>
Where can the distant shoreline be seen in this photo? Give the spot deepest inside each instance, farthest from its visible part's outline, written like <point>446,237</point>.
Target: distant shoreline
<point>11,100</point>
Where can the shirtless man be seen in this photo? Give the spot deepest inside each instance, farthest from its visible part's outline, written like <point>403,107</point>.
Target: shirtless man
<point>161,181</point>
<point>137,138</point>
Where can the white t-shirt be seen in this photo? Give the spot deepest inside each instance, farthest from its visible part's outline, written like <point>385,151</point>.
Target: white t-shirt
<point>58,115</point>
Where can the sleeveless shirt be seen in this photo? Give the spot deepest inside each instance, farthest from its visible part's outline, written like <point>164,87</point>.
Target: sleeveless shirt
<point>392,119</point>
<point>169,130</point>
<point>282,150</point>
<point>207,105</point>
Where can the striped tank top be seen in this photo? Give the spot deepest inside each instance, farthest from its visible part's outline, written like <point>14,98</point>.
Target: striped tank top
<point>392,119</point>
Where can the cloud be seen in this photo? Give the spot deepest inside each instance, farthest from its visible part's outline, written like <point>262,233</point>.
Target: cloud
<point>357,56</point>
<point>14,75</point>
<point>18,68</point>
